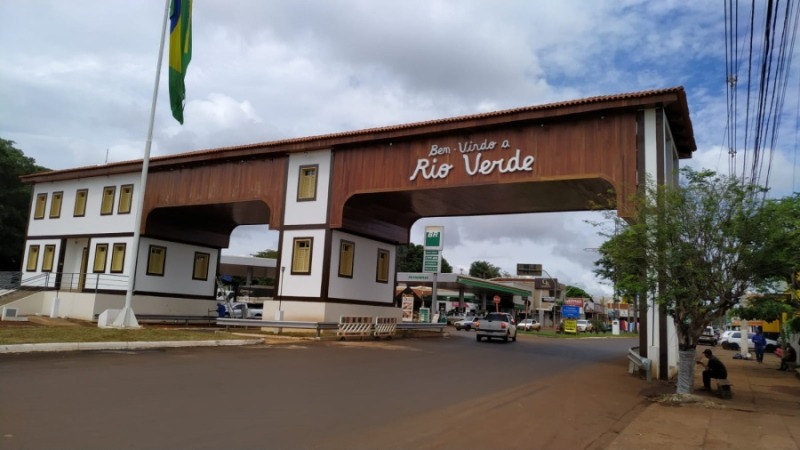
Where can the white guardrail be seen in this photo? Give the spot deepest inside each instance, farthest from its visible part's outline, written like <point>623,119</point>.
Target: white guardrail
<point>638,362</point>
<point>347,326</point>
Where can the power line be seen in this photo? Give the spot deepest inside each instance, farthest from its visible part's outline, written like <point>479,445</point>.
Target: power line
<point>766,81</point>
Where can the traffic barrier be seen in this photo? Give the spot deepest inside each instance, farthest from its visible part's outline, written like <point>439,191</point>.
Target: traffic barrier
<point>354,326</point>
<point>385,326</point>
<point>637,362</point>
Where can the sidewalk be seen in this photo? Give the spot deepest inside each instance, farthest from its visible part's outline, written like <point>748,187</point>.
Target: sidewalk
<point>764,412</point>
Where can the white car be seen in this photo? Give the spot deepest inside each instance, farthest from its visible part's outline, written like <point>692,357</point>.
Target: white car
<point>708,337</point>
<point>530,325</point>
<point>464,324</point>
<point>584,325</point>
<point>732,339</point>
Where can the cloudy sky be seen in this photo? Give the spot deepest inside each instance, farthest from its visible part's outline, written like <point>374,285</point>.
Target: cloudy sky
<point>76,85</point>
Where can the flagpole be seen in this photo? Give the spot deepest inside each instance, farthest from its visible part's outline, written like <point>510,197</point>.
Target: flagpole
<point>126,318</point>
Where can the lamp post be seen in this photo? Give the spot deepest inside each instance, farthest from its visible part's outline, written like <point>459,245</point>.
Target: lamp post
<point>555,291</point>
<point>279,313</point>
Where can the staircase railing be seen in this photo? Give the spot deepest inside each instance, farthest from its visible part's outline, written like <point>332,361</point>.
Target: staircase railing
<point>61,281</point>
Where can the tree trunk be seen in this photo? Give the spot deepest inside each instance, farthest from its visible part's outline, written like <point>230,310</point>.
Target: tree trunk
<point>686,364</point>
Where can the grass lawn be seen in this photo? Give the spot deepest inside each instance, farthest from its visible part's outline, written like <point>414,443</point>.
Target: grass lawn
<point>41,334</point>
<point>553,334</point>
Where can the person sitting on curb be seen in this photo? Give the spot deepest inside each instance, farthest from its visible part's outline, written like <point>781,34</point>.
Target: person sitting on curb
<point>714,369</point>
<point>789,357</point>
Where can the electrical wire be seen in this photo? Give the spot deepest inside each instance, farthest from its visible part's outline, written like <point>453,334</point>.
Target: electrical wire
<point>767,78</point>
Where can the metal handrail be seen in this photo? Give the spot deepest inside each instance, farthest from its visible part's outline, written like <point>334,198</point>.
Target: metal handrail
<point>13,282</point>
<point>70,281</point>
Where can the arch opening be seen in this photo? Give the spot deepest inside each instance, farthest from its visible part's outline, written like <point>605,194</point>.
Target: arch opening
<point>210,224</point>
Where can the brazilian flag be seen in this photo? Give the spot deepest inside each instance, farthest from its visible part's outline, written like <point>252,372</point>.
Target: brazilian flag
<point>180,53</point>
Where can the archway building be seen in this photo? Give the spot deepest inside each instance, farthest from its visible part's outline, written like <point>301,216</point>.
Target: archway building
<point>340,202</point>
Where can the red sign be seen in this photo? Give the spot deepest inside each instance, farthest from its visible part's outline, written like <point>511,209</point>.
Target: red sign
<point>574,302</point>
<point>496,299</point>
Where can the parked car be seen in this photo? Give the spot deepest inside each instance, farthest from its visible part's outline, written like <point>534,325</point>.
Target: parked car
<point>584,325</point>
<point>731,342</point>
<point>530,325</point>
<point>708,337</point>
<point>725,335</point>
<point>464,324</point>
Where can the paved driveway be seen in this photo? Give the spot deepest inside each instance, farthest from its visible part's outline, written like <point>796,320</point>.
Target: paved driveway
<point>406,393</point>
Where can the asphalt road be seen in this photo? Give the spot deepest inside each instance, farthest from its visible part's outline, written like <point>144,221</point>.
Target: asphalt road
<point>408,393</point>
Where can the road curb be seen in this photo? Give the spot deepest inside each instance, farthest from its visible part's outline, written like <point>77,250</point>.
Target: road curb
<point>133,345</point>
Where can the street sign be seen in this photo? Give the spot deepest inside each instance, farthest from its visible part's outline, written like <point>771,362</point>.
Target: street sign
<point>433,238</point>
<point>431,261</point>
<point>496,299</point>
<point>572,312</point>
<point>414,277</point>
<point>533,270</point>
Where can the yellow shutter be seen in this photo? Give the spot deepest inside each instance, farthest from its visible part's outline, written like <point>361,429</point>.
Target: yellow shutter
<point>55,205</point>
<point>107,207</point>
<point>80,203</point>
<point>118,258</point>
<point>33,258</point>
<point>49,256</point>
<point>41,202</point>
<point>346,253</point>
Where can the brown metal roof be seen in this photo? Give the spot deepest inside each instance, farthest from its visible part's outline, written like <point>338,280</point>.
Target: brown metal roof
<point>673,100</point>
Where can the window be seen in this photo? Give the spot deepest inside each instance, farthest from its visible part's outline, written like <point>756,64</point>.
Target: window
<point>33,258</point>
<point>156,259</point>
<point>125,197</point>
<point>49,256</point>
<point>118,258</point>
<point>347,251</point>
<point>100,256</point>
<point>107,207</point>
<point>301,256</point>
<point>80,202</point>
<point>382,271</point>
<point>41,202</point>
<point>200,271</point>
<point>55,205</point>
<point>307,184</point>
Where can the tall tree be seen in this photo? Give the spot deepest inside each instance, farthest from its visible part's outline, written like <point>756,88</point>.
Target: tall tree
<point>574,291</point>
<point>695,248</point>
<point>484,269</point>
<point>15,201</point>
<point>780,293</point>
<point>409,259</point>
<point>268,253</point>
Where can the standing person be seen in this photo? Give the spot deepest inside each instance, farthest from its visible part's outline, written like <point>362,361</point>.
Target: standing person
<point>760,342</point>
<point>714,369</point>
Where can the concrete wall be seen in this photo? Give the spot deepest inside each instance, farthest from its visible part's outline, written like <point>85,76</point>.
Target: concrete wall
<point>302,285</point>
<point>308,212</point>
<point>363,285</point>
<point>178,269</point>
<point>93,222</point>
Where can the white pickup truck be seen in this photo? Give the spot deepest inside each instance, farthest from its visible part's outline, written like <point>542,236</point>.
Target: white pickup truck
<point>496,325</point>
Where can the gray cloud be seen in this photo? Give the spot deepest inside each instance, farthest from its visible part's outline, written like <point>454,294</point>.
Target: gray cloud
<point>76,81</point>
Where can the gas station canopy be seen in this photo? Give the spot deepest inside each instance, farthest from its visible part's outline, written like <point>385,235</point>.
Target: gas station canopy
<point>457,282</point>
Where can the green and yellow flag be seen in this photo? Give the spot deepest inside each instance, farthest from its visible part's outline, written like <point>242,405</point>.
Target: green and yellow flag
<point>180,53</point>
